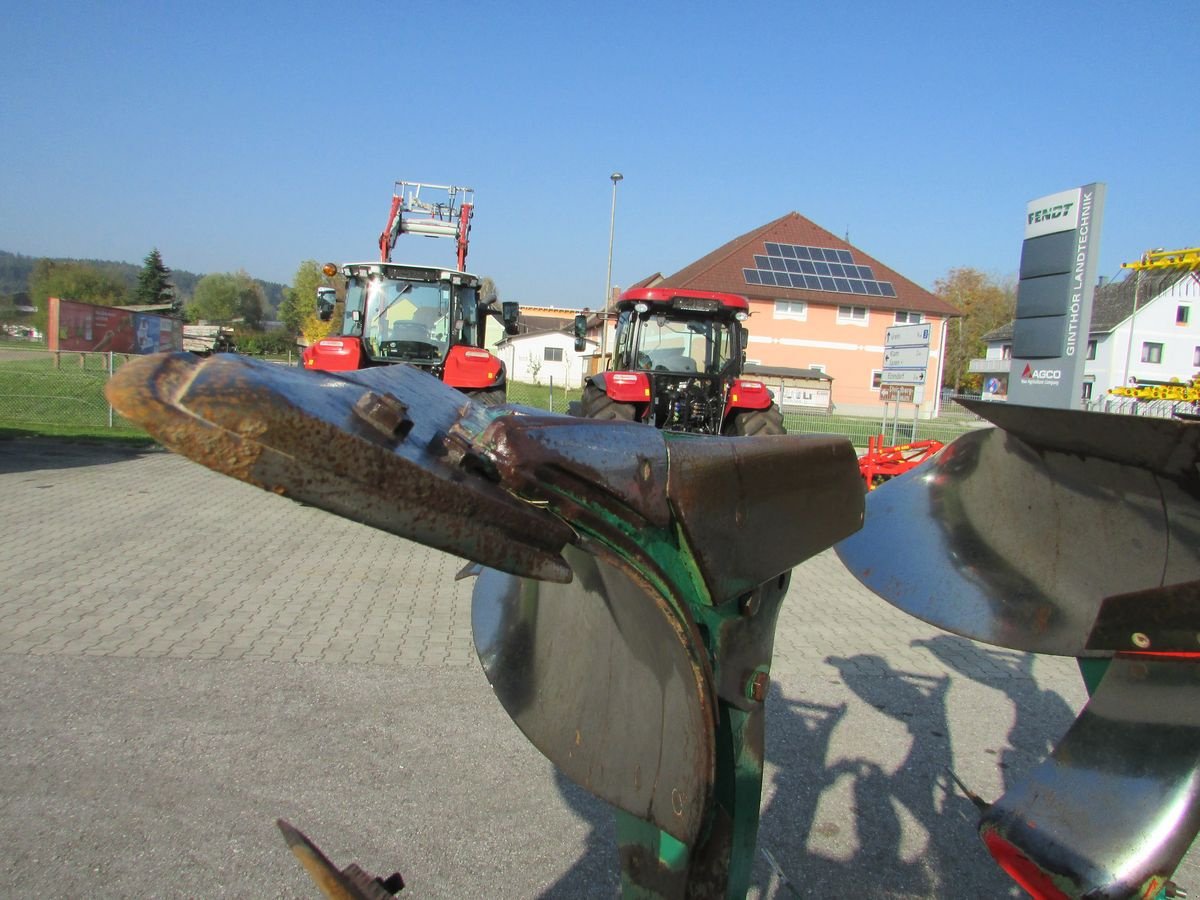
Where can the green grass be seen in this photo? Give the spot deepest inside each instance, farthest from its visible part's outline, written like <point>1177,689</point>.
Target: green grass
<point>68,401</point>
<point>65,401</point>
<point>858,428</point>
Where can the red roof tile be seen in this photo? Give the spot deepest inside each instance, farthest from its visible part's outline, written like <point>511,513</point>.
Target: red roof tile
<point>721,270</point>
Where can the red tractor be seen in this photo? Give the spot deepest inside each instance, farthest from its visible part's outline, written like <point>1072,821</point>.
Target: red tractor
<point>677,365</point>
<point>426,316</point>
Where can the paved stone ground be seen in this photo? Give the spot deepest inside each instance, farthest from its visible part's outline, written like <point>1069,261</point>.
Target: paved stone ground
<point>184,658</point>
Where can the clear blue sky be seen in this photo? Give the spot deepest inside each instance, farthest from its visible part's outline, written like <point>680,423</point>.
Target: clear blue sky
<point>258,135</point>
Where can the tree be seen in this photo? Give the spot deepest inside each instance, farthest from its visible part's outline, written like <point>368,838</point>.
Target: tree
<point>153,284</point>
<point>72,281</point>
<point>299,301</point>
<point>986,304</point>
<point>252,300</point>
<point>488,290</point>
<point>224,297</point>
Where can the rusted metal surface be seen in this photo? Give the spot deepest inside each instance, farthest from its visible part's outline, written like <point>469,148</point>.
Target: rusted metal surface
<point>304,435</point>
<point>753,509</point>
<point>350,883</point>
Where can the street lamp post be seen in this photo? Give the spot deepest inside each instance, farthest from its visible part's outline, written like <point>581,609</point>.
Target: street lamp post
<point>612,221</point>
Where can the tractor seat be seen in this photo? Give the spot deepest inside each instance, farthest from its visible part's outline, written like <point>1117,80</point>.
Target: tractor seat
<point>675,362</point>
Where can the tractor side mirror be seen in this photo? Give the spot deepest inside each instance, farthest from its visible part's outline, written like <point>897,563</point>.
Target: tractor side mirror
<point>326,297</point>
<point>580,333</point>
<point>510,310</point>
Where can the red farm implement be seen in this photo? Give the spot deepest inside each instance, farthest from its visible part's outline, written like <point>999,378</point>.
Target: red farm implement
<point>880,463</point>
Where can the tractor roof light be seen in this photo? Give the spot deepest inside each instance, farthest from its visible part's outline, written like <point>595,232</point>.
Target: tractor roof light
<point>329,270</point>
<point>741,315</point>
<point>641,308</point>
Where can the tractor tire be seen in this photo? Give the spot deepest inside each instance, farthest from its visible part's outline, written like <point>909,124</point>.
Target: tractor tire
<point>488,396</point>
<point>754,422</point>
<point>595,404</point>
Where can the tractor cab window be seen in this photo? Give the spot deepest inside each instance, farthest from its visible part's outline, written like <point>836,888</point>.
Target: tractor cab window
<point>467,314</point>
<point>405,320</point>
<point>675,343</point>
<point>624,340</point>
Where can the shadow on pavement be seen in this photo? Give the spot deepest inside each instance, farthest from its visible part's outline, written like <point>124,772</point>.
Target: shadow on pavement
<point>910,832</point>
<point>20,453</point>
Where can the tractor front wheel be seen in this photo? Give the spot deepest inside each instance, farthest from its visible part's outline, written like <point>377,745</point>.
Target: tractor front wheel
<point>757,421</point>
<point>595,404</point>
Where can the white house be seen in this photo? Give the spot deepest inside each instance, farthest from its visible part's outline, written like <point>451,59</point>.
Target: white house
<point>1155,341</point>
<point>545,357</point>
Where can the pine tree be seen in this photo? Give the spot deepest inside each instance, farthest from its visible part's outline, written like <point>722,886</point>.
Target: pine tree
<point>153,285</point>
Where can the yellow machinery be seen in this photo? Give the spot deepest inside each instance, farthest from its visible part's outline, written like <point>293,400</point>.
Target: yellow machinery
<point>1180,391</point>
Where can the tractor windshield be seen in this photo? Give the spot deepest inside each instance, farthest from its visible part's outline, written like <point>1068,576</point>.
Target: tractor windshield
<point>680,343</point>
<point>401,320</point>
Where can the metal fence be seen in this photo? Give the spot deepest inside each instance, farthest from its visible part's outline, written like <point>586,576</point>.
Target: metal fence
<point>66,390</point>
<point>62,389</point>
<point>897,427</point>
<point>1132,406</point>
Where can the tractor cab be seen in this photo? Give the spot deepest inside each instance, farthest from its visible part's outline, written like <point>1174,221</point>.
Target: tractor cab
<point>677,363</point>
<point>408,313</point>
<point>664,338</point>
<point>405,314</point>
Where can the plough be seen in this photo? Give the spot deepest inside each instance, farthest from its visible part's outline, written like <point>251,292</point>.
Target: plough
<point>661,560</point>
<point>881,463</point>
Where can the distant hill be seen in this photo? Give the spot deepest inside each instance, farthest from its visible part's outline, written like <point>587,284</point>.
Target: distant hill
<point>15,269</point>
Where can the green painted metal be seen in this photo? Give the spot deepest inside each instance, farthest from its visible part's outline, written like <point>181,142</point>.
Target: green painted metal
<point>1092,668</point>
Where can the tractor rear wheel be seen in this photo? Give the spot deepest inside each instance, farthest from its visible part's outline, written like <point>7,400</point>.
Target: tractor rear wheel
<point>757,421</point>
<point>596,404</point>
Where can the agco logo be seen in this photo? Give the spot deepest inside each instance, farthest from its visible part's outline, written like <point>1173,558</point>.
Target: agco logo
<point>1038,376</point>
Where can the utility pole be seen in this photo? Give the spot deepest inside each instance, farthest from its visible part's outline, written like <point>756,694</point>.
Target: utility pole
<point>612,221</point>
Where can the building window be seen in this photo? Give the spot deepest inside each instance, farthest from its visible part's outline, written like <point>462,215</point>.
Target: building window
<point>791,309</point>
<point>1091,350</point>
<point>553,354</point>
<point>1196,357</point>
<point>1006,351</point>
<point>817,367</point>
<point>1151,353</point>
<point>907,317</point>
<point>852,315</point>
<point>876,379</point>
<point>1087,391</point>
<point>1181,315</point>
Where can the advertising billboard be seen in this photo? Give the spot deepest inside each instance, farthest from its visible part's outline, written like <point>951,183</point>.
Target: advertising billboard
<point>83,326</point>
<point>1054,297</point>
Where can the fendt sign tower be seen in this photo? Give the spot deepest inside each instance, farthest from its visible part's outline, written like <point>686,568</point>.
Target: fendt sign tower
<point>1054,297</point>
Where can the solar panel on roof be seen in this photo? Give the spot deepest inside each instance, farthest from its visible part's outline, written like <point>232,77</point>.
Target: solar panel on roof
<point>828,269</point>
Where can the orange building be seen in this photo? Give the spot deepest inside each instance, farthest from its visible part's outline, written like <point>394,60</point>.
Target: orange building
<point>817,302</point>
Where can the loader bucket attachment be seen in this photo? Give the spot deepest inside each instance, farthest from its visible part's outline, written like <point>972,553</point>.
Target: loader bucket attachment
<point>1076,534</point>
<point>627,611</point>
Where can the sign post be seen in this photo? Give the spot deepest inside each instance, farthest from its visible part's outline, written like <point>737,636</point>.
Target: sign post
<point>905,366</point>
<point>1054,297</point>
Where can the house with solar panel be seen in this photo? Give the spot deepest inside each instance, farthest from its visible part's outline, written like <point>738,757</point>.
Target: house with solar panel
<point>819,313</point>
